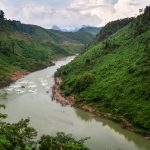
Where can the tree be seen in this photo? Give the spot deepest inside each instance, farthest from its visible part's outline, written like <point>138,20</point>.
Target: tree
<point>2,14</point>
<point>147,9</point>
<point>61,142</point>
<point>20,136</point>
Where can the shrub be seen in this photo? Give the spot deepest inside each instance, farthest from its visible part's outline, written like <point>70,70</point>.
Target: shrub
<point>19,136</point>
<point>61,142</point>
<point>83,81</point>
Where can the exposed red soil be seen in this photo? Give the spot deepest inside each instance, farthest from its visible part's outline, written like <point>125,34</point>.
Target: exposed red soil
<point>19,74</point>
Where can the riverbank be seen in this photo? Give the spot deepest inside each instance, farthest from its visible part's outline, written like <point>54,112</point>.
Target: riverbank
<point>16,75</point>
<point>13,77</point>
<point>19,74</point>
<point>60,97</point>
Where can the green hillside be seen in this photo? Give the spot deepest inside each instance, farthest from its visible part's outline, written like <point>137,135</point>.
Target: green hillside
<point>112,27</point>
<point>113,75</point>
<point>70,41</point>
<point>91,30</point>
<point>19,51</point>
<point>32,47</point>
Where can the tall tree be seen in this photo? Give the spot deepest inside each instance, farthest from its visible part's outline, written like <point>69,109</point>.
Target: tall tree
<point>2,14</point>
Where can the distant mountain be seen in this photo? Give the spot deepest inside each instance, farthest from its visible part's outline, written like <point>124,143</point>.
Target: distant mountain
<point>91,30</point>
<point>84,28</point>
<point>74,29</point>
<point>54,27</point>
<point>70,41</point>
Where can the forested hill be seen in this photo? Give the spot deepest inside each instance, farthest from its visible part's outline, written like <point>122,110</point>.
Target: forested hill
<point>70,41</point>
<point>112,27</point>
<point>113,74</point>
<point>31,47</point>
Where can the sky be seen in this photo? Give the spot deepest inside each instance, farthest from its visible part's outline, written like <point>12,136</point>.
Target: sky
<point>70,13</point>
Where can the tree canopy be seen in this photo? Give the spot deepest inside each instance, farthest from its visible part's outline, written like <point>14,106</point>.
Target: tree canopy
<point>2,14</point>
<point>20,136</point>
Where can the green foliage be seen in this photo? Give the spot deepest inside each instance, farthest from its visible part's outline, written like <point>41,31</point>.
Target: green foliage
<point>61,142</point>
<point>120,68</point>
<point>70,42</point>
<point>76,85</point>
<point>2,15</point>
<point>142,23</point>
<point>17,135</point>
<point>112,27</point>
<point>20,136</point>
<point>31,47</point>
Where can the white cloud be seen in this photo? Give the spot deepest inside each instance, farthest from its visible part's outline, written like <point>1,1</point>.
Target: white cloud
<point>70,13</point>
<point>47,17</point>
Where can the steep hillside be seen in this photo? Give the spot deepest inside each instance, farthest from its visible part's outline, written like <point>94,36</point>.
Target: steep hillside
<point>19,51</point>
<point>31,47</point>
<point>112,27</point>
<point>114,75</point>
<point>71,41</point>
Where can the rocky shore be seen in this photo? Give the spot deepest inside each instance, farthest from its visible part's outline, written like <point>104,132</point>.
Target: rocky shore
<point>59,96</point>
<point>12,78</point>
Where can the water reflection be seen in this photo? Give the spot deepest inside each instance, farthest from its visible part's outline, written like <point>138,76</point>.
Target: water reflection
<point>116,128</point>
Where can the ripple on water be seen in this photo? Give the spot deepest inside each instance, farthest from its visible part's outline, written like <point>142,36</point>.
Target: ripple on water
<point>31,85</point>
<point>9,89</point>
<point>43,82</point>
<point>32,91</point>
<point>19,91</point>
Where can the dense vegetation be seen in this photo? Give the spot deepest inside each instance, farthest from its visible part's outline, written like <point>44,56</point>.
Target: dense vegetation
<point>31,47</point>
<point>113,75</point>
<point>71,41</point>
<point>112,27</point>
<point>20,51</point>
<point>20,136</point>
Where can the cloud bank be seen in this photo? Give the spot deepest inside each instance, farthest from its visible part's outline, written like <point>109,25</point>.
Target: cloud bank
<point>70,13</point>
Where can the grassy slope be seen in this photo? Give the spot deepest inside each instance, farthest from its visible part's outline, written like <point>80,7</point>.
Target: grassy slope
<point>114,75</point>
<point>70,41</point>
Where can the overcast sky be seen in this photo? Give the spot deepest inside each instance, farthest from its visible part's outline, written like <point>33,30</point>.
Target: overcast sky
<point>70,13</point>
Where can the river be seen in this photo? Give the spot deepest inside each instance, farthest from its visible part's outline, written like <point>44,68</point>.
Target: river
<point>48,117</point>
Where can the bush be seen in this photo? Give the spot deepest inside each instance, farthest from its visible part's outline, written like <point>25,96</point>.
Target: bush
<point>83,81</point>
<point>61,142</point>
<point>19,136</point>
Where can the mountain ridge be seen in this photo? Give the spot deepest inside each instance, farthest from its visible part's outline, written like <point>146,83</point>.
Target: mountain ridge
<point>31,47</point>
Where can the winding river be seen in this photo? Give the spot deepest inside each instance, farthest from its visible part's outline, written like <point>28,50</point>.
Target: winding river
<point>49,117</point>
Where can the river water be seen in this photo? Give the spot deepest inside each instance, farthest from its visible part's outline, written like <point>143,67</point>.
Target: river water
<point>48,117</point>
